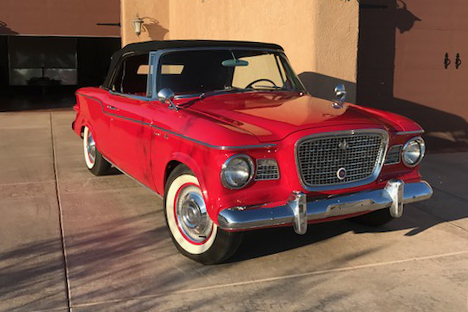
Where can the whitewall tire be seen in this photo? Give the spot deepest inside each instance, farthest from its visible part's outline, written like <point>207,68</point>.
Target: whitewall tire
<point>191,228</point>
<point>182,222</point>
<point>94,161</point>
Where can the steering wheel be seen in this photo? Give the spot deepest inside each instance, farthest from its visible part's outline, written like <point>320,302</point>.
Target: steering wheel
<point>258,80</point>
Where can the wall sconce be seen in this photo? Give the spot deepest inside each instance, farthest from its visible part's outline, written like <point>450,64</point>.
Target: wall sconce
<point>137,22</point>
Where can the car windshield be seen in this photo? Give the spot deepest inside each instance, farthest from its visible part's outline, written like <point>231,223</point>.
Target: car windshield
<point>214,71</point>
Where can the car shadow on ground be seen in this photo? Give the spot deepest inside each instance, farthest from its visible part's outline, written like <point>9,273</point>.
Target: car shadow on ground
<point>116,261</point>
<point>125,250</point>
<point>38,267</point>
<point>266,242</point>
<point>113,171</point>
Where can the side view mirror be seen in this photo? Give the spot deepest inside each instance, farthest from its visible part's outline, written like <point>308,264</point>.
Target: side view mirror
<point>167,95</point>
<point>340,93</point>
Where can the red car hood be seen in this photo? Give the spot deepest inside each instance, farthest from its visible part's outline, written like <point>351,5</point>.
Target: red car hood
<point>271,116</point>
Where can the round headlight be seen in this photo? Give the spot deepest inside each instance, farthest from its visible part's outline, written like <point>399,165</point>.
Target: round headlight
<point>237,171</point>
<point>413,152</point>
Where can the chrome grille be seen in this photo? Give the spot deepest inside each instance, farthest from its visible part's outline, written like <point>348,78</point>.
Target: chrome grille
<point>267,169</point>
<point>321,159</point>
<point>394,155</point>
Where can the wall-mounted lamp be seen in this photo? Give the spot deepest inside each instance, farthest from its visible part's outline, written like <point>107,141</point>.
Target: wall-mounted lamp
<point>137,22</point>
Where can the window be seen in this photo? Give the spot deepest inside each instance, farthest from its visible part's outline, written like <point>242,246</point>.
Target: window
<point>260,67</point>
<point>195,72</point>
<point>132,75</point>
<point>143,70</point>
<point>190,72</point>
<point>172,69</point>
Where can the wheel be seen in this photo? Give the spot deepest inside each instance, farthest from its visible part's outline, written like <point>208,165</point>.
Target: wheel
<point>193,232</point>
<point>376,218</point>
<point>95,163</point>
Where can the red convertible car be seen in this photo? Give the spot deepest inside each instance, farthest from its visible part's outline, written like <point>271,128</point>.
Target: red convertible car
<point>227,134</point>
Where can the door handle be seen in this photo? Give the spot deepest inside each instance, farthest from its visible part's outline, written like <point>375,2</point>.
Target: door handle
<point>447,61</point>
<point>458,61</point>
<point>112,107</point>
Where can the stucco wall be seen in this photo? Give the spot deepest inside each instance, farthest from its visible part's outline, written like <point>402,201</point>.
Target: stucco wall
<point>60,17</point>
<point>320,37</point>
<point>155,14</point>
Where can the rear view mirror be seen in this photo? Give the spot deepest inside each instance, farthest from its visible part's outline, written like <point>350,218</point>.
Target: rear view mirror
<point>234,63</point>
<point>167,95</point>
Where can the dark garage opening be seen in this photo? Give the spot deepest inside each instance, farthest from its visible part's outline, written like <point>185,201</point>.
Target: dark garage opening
<point>44,72</point>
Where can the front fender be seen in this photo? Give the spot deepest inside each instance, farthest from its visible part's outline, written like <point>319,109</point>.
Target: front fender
<point>193,165</point>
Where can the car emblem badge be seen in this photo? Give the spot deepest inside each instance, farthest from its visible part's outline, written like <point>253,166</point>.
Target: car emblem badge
<point>341,173</point>
<point>343,145</point>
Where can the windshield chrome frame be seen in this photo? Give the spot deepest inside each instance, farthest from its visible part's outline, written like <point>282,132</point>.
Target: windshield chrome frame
<point>155,58</point>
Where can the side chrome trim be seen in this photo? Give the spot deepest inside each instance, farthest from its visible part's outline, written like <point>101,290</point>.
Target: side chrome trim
<point>394,195</point>
<point>410,132</point>
<point>148,188</point>
<point>378,167</point>
<point>130,96</point>
<point>218,147</point>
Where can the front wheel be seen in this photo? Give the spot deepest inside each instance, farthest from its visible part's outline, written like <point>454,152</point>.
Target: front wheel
<point>193,232</point>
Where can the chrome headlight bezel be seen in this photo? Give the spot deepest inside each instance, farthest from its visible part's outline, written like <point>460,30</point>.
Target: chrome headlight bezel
<point>422,150</point>
<point>248,160</point>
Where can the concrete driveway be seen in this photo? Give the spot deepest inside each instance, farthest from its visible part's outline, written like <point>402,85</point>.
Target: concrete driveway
<point>70,240</point>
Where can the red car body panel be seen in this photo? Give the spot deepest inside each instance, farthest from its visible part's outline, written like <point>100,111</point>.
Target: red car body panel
<point>143,138</point>
<point>273,116</point>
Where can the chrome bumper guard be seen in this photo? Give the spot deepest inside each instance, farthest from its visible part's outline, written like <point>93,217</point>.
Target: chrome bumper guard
<point>298,211</point>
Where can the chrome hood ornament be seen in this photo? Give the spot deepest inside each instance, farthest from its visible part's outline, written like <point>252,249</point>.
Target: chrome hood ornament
<point>340,93</point>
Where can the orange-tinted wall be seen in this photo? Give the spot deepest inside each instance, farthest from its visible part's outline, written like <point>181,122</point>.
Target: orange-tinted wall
<point>59,17</point>
<point>320,37</point>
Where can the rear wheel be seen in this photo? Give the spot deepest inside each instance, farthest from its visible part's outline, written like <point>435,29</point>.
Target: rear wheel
<point>95,163</point>
<point>193,232</point>
<point>376,218</point>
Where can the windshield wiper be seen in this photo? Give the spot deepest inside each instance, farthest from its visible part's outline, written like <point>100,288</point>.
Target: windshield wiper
<point>223,91</point>
<point>204,95</point>
<point>271,88</point>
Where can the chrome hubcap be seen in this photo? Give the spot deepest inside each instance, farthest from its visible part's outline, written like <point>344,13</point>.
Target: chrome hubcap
<point>91,147</point>
<point>192,216</point>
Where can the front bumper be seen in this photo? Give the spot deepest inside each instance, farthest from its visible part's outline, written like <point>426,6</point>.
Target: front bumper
<point>298,211</point>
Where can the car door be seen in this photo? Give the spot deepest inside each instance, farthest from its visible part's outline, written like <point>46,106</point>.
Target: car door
<point>130,125</point>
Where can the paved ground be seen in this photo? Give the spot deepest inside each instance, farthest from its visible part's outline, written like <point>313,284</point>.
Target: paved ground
<point>120,257</point>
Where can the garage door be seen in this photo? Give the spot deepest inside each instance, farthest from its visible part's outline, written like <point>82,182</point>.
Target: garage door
<point>413,60</point>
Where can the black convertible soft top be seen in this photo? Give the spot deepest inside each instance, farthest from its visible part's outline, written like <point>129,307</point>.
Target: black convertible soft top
<point>149,46</point>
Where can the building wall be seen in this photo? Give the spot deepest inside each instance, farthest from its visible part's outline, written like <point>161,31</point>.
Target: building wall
<point>155,14</point>
<point>60,17</point>
<point>320,37</point>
